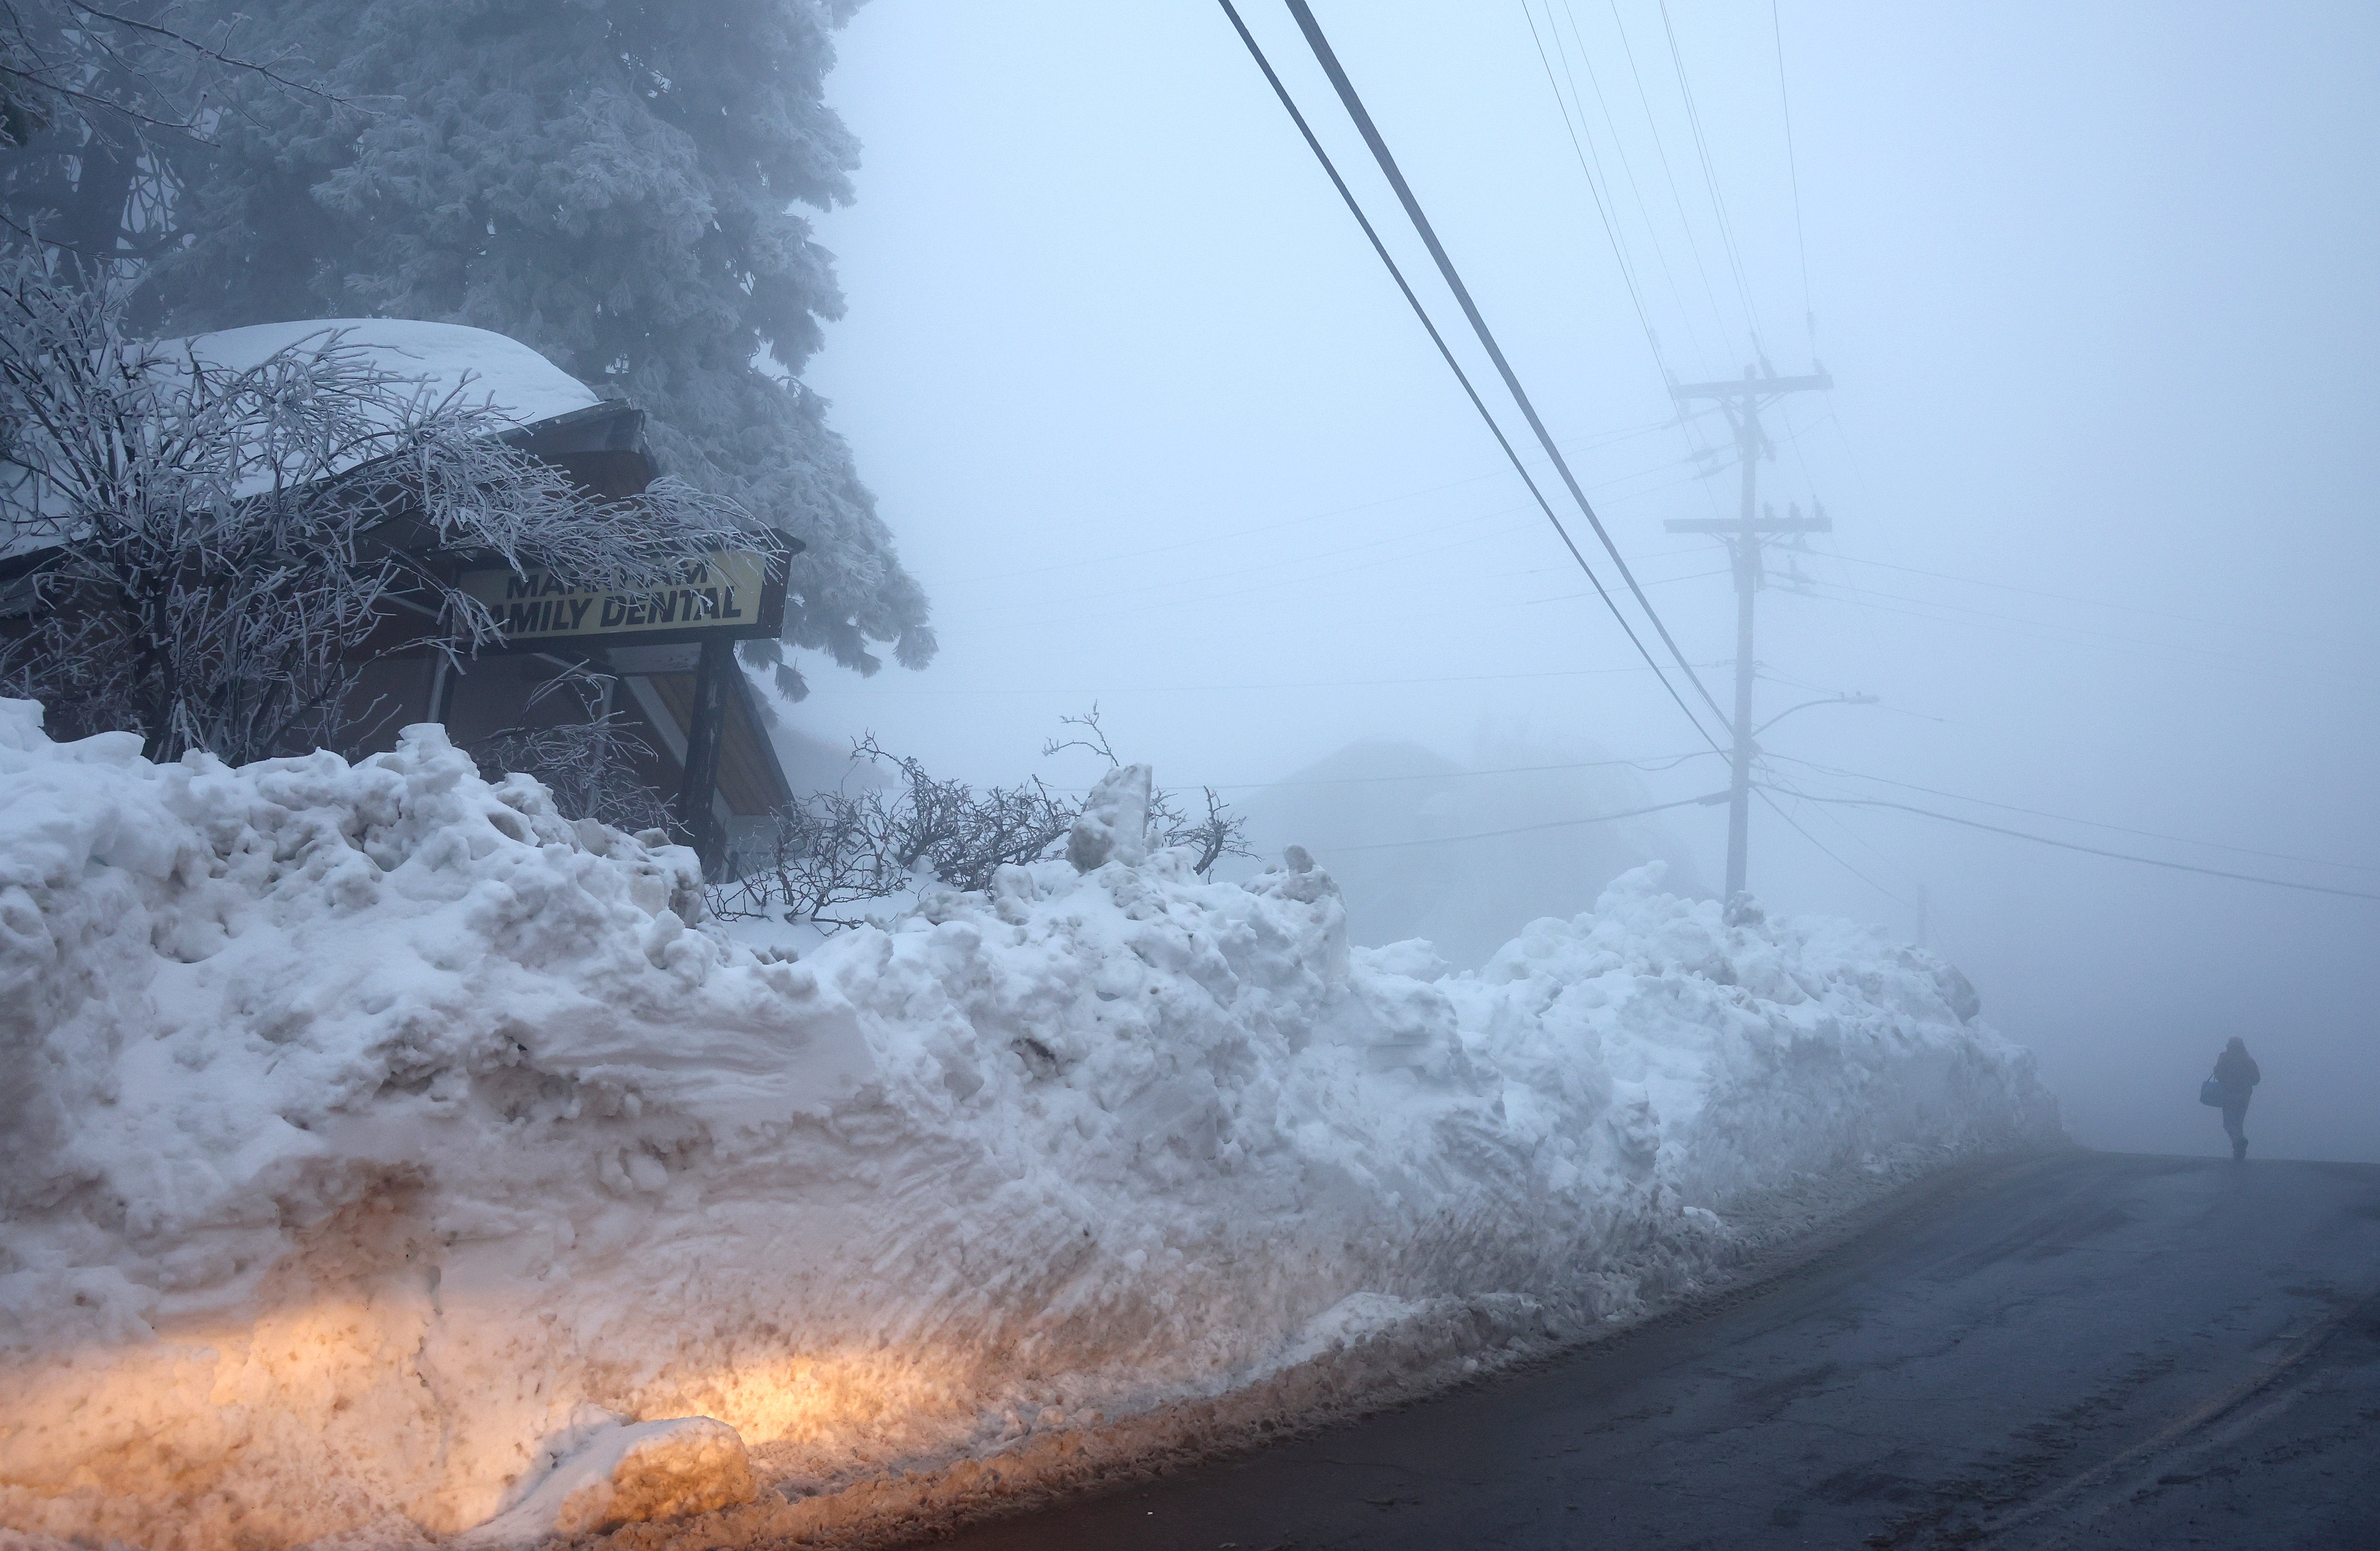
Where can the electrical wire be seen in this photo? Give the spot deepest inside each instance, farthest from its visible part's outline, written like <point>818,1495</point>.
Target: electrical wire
<point>1851,834</point>
<point>2109,640</point>
<point>874,690</point>
<point>1604,207</point>
<point>1644,100</point>
<point>1831,855</point>
<point>1665,761</point>
<point>1710,179</point>
<point>2088,850</point>
<point>1657,582</point>
<point>1379,247</point>
<point>1354,103</point>
<point>1529,828</point>
<point>1635,185</point>
<point>1010,607</point>
<point>1688,422</point>
<point>2070,598</point>
<point>1793,172</point>
<point>2069,818</point>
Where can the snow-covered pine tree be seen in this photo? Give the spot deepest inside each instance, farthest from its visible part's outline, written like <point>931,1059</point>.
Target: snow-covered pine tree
<point>609,181</point>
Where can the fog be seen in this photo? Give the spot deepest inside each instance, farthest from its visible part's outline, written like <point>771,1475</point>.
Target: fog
<point>1155,430</point>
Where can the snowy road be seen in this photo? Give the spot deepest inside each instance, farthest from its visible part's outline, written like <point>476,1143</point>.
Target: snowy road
<point>2084,1349</point>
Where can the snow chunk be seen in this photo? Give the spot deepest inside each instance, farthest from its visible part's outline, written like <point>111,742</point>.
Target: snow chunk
<point>630,1474</point>
<point>1114,822</point>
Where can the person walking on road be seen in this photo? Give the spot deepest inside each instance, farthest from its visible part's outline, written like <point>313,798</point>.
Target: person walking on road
<point>2236,1071</point>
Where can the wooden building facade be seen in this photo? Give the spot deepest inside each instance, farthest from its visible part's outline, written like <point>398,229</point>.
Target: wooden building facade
<point>661,663</point>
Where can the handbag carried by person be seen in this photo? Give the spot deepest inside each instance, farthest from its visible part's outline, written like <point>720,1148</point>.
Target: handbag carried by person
<point>2212,1094</point>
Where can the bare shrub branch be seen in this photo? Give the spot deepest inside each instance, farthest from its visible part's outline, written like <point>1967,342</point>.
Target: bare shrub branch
<point>1094,738</point>
<point>589,766</point>
<point>1219,834</point>
<point>839,851</point>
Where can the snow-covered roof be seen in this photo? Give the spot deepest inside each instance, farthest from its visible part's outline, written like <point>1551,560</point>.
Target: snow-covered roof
<point>517,382</point>
<point>502,373</point>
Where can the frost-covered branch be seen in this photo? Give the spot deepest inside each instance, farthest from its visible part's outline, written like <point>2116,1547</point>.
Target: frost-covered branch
<point>589,766</point>
<point>1094,738</point>
<point>106,73</point>
<point>839,851</point>
<point>1219,834</point>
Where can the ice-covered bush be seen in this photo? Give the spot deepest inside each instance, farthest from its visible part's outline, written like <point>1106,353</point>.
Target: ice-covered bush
<point>827,858</point>
<point>222,546</point>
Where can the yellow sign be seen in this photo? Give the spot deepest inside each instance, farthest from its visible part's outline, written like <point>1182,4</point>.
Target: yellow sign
<point>728,592</point>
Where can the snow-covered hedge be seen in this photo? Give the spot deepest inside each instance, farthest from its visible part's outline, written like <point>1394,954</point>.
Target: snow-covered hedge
<point>374,1137</point>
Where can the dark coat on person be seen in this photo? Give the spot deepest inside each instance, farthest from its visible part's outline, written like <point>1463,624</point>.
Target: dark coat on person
<point>2236,1069</point>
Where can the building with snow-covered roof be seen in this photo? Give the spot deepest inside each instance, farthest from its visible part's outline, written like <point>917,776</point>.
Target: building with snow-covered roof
<point>663,658</point>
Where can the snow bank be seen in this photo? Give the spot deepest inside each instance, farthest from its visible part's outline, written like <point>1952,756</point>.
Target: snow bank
<point>378,1145</point>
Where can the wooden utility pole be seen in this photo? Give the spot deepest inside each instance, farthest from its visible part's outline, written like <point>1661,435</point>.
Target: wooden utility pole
<point>1743,401</point>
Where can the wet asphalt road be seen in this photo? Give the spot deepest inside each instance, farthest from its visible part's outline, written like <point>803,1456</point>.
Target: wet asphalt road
<point>2094,1350</point>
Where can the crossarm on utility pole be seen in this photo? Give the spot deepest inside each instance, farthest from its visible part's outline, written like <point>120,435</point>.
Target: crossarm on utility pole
<point>1750,388</point>
<point>1737,525</point>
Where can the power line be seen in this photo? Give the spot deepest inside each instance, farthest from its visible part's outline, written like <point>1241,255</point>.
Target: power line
<point>1379,247</point>
<point>1852,835</point>
<point>2069,818</point>
<point>1608,198</point>
<point>1652,228</point>
<point>873,690</point>
<point>1524,829</point>
<point>1599,183</point>
<point>1793,171</point>
<point>2109,641</point>
<point>1710,180</point>
<point>1354,103</point>
<point>1440,526</point>
<point>1644,99</point>
<point>2070,598</point>
<point>1665,761</point>
<point>1657,582</point>
<point>1619,153</point>
<point>1831,856</point>
<point>1647,554</point>
<point>2089,850</point>
<point>1610,229</point>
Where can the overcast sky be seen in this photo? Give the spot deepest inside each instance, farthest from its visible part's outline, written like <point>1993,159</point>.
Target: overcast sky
<point>1153,428</point>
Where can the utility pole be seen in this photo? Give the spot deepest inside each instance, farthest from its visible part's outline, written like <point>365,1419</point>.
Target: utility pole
<point>1742,401</point>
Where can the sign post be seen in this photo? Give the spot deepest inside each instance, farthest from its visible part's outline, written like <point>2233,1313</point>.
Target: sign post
<point>695,808</point>
<point>712,600</point>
